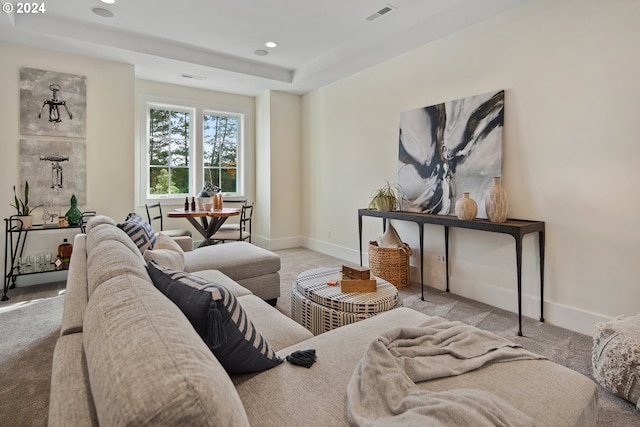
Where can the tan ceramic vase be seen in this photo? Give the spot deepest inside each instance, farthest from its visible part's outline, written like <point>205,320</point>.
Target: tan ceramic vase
<point>466,207</point>
<point>496,203</point>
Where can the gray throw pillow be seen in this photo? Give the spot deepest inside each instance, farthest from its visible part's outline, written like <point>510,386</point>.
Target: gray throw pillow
<point>139,231</point>
<point>218,318</point>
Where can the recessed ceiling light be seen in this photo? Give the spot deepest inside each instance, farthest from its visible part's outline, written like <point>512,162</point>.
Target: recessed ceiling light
<point>261,52</point>
<point>108,1</point>
<point>103,12</point>
<point>271,44</point>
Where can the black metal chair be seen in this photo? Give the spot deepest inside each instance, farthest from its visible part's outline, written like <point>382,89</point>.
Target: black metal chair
<point>236,232</point>
<point>154,213</point>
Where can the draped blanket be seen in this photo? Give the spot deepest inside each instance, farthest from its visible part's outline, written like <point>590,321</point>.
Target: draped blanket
<point>383,390</point>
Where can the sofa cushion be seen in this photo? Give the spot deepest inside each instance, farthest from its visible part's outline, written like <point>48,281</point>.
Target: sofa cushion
<point>218,277</point>
<point>148,366</point>
<point>238,260</point>
<point>97,220</point>
<point>71,402</point>
<point>166,252</point>
<point>140,231</point>
<point>218,318</point>
<point>281,331</point>
<point>76,294</point>
<point>111,255</point>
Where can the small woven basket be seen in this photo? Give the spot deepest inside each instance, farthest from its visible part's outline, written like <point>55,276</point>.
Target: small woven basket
<point>390,264</point>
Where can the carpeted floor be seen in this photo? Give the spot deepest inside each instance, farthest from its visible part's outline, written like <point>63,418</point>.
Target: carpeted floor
<point>31,322</point>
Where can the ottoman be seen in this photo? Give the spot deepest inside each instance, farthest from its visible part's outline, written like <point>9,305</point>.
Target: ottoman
<point>616,357</point>
<point>321,308</point>
<point>255,268</point>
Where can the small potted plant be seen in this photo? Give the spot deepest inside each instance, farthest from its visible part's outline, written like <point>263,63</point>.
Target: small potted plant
<point>22,206</point>
<point>386,198</point>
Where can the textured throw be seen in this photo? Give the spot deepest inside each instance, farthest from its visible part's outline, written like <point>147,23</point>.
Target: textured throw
<point>383,390</point>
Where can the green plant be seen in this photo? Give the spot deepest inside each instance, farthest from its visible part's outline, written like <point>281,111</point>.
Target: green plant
<point>386,198</point>
<point>22,206</point>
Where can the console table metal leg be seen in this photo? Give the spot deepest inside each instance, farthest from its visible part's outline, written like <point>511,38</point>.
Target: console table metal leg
<point>421,231</point>
<point>519,272</point>
<point>446,254</point>
<point>360,236</point>
<point>541,247</point>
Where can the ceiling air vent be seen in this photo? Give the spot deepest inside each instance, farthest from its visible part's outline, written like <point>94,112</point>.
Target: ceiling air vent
<point>388,8</point>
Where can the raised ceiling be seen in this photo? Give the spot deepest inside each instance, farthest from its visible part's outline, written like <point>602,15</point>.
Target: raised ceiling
<point>319,41</point>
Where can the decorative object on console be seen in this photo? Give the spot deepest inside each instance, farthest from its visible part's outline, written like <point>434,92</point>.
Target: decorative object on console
<point>466,207</point>
<point>386,198</point>
<point>219,319</point>
<point>496,203</point>
<point>52,103</point>
<point>65,249</point>
<point>23,208</point>
<point>449,146</point>
<point>139,231</point>
<point>74,216</point>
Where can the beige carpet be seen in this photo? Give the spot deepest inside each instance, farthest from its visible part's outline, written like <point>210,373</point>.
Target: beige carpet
<point>30,323</point>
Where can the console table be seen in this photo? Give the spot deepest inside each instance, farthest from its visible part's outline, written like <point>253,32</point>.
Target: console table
<point>14,242</point>
<point>517,228</point>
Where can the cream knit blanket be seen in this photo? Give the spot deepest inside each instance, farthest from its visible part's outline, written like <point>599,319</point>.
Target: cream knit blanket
<point>383,390</point>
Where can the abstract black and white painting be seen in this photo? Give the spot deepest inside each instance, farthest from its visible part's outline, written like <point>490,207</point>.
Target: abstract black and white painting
<point>52,104</point>
<point>450,148</point>
<point>56,170</point>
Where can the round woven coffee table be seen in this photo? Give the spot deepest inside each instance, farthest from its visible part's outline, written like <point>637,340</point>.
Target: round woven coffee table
<point>320,307</point>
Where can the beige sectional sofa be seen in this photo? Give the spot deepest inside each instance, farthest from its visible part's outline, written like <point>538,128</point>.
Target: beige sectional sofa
<point>127,355</point>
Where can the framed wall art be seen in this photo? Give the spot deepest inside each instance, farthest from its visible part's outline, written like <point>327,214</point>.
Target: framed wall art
<point>450,148</point>
<point>56,170</point>
<point>52,104</point>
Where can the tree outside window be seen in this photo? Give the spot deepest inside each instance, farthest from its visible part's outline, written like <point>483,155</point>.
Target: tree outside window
<point>220,147</point>
<point>169,149</point>
<point>179,160</point>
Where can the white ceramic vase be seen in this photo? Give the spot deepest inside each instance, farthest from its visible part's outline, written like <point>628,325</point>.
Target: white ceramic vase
<point>27,221</point>
<point>496,203</point>
<point>466,208</point>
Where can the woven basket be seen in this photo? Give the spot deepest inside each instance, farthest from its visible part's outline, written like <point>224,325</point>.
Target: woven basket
<point>390,264</point>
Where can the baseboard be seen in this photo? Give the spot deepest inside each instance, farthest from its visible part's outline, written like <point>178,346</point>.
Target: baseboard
<point>555,314</point>
<point>341,252</point>
<point>277,244</point>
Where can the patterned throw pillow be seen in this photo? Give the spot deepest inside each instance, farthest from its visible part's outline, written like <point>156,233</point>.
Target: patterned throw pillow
<point>218,318</point>
<point>139,231</point>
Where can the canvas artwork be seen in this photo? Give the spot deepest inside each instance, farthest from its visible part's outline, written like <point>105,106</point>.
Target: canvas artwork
<point>52,104</point>
<point>450,148</point>
<point>55,170</point>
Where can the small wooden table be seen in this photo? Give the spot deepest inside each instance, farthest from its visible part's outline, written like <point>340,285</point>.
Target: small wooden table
<point>210,221</point>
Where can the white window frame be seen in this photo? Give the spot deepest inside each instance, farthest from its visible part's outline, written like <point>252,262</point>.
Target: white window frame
<point>196,167</point>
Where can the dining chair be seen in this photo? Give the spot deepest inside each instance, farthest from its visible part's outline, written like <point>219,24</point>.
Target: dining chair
<point>236,232</point>
<point>154,213</point>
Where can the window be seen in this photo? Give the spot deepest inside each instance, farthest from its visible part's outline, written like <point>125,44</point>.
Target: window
<point>169,150</point>
<point>187,146</point>
<point>221,151</point>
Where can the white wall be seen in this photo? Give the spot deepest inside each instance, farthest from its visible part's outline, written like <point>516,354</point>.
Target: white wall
<point>109,142</point>
<point>278,170</point>
<point>571,145</point>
